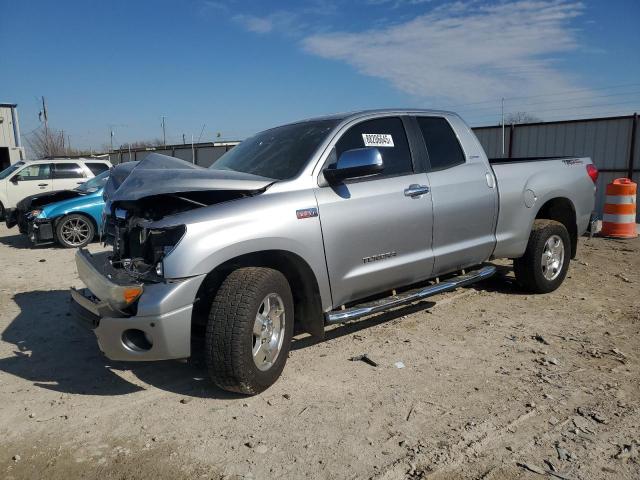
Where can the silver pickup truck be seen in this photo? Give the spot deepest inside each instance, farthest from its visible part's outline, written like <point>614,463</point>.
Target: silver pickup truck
<point>315,223</point>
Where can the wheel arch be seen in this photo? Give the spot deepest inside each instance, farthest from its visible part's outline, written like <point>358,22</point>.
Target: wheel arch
<point>561,209</point>
<point>304,288</point>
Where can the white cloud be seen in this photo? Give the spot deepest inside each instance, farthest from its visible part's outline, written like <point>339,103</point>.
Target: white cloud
<point>464,52</point>
<point>282,21</point>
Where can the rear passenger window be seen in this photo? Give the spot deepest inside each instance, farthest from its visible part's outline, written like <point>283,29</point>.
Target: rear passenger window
<point>442,144</point>
<point>67,170</point>
<point>388,136</point>
<point>97,168</point>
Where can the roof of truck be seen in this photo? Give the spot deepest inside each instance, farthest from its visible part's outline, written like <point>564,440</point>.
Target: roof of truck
<point>365,113</point>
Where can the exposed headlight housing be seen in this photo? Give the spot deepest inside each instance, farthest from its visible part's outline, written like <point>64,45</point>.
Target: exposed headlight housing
<point>35,213</point>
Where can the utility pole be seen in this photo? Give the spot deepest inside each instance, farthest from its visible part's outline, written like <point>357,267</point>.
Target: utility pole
<point>45,117</point>
<point>502,115</point>
<point>164,132</point>
<point>111,137</point>
<point>184,141</point>
<point>193,151</point>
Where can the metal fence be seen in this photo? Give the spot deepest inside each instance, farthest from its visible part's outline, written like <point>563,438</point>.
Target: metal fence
<point>203,154</point>
<point>611,142</point>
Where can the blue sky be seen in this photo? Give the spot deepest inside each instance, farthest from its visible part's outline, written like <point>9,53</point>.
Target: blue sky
<point>237,67</point>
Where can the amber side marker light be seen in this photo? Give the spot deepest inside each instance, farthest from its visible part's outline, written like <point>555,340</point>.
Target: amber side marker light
<point>131,294</point>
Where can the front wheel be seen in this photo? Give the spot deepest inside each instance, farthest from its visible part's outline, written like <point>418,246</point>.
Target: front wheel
<point>545,262</point>
<point>74,231</point>
<point>249,330</point>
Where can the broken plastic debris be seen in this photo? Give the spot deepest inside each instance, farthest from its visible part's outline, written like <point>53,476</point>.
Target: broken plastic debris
<point>364,358</point>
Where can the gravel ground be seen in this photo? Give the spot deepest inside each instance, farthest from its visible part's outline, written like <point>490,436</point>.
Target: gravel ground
<point>496,384</point>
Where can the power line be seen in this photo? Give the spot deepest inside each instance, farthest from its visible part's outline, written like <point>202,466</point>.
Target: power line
<point>488,121</point>
<point>555,101</point>
<point>497,99</point>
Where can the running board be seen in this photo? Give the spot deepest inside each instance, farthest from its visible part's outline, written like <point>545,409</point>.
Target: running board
<point>376,306</point>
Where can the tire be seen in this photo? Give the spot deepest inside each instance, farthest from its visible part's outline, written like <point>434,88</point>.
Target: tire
<point>545,262</point>
<point>231,336</point>
<point>1,211</point>
<point>70,238</point>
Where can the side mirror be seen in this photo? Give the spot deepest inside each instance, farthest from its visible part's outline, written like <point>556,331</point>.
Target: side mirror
<point>14,179</point>
<point>358,162</point>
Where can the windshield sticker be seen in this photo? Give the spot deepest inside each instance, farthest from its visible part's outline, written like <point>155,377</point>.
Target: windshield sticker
<point>377,140</point>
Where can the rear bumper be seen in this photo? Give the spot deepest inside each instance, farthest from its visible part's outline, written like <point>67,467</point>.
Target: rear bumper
<point>161,327</point>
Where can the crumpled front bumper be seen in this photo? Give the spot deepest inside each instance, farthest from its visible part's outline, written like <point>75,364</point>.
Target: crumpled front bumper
<point>40,231</point>
<point>160,329</point>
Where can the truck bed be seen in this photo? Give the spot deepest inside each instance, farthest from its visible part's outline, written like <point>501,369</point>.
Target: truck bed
<point>525,185</point>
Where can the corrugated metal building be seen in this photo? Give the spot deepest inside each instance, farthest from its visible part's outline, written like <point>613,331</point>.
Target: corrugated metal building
<point>11,150</point>
<point>611,142</point>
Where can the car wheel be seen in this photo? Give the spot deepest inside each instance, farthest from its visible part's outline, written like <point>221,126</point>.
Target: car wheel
<point>249,330</point>
<point>74,231</point>
<point>1,212</point>
<point>545,262</point>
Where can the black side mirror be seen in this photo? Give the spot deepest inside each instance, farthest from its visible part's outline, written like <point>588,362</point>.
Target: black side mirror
<point>358,162</point>
<point>14,179</point>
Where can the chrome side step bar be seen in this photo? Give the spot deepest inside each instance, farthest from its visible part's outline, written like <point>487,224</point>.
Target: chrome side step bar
<point>376,306</point>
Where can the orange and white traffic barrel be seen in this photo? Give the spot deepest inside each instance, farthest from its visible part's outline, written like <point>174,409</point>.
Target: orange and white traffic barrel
<point>619,219</point>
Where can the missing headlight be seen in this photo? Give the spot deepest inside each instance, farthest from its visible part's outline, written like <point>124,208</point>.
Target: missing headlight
<point>161,242</point>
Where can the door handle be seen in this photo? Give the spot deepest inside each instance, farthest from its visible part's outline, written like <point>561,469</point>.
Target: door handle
<point>416,190</point>
<point>43,184</point>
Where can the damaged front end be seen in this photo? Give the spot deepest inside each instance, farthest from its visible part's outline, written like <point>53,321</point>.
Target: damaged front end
<point>140,196</point>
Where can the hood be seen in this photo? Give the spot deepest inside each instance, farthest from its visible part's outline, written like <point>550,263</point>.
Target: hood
<point>160,175</point>
<point>40,199</point>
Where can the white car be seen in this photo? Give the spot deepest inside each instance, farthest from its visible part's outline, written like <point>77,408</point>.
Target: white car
<point>39,176</point>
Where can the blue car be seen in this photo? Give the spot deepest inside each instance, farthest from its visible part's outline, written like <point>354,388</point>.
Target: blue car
<point>72,222</point>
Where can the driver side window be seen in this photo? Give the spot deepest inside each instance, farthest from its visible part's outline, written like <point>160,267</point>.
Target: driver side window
<point>388,136</point>
<point>41,171</point>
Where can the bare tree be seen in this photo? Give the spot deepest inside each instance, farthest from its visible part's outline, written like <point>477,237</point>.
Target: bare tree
<point>520,117</point>
<point>46,143</point>
<point>49,143</point>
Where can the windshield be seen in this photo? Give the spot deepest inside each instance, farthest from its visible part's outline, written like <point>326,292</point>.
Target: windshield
<point>95,184</point>
<point>279,153</point>
<point>10,169</point>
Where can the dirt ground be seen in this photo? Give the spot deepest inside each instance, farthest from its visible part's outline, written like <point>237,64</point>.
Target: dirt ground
<point>496,384</point>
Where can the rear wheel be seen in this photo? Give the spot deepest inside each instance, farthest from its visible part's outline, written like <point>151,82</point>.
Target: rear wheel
<point>249,330</point>
<point>74,231</point>
<point>545,262</point>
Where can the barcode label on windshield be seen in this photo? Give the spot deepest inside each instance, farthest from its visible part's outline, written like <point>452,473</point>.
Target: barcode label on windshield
<point>377,140</point>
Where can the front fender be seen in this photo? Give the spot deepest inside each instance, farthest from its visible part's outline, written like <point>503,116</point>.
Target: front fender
<point>90,205</point>
<point>225,231</point>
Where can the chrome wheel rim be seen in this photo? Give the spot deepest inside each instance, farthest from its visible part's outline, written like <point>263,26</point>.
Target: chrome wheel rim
<point>552,257</point>
<point>268,331</point>
<point>75,231</point>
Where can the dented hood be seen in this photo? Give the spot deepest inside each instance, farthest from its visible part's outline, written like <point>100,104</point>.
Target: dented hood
<point>160,174</point>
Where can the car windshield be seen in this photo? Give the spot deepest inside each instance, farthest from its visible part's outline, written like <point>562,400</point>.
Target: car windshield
<point>10,169</point>
<point>279,153</point>
<point>95,184</point>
